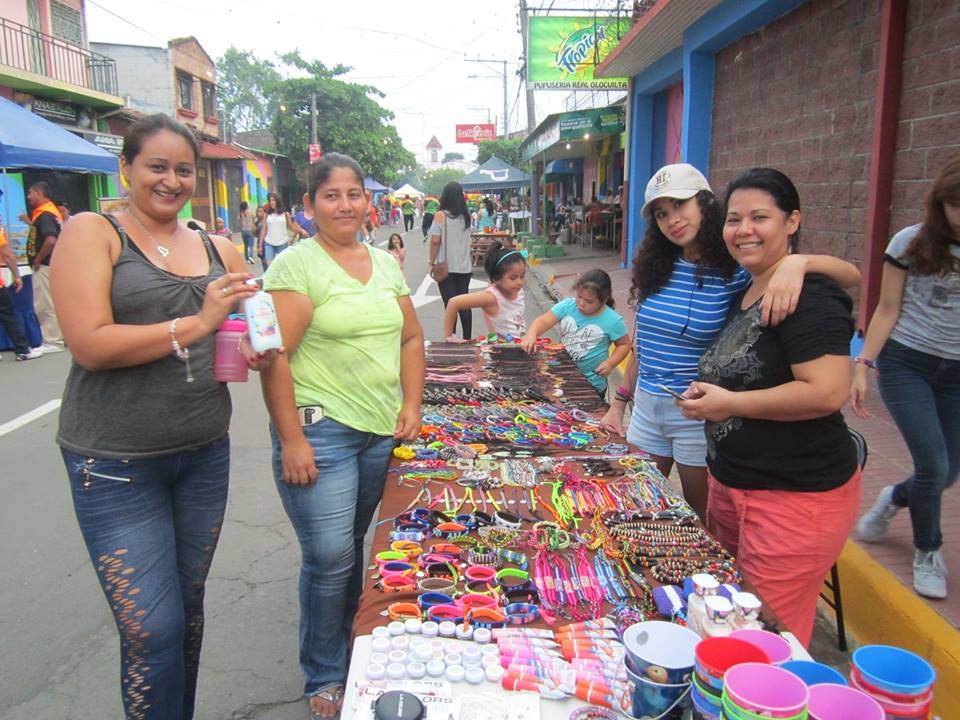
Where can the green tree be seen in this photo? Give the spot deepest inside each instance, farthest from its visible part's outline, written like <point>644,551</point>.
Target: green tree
<point>434,180</point>
<point>243,89</point>
<point>452,156</point>
<point>507,150</point>
<point>349,120</point>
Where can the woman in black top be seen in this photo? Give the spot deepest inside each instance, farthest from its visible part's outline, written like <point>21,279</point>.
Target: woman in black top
<point>784,481</point>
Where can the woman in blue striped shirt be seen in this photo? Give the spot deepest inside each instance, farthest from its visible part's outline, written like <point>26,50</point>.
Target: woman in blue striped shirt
<point>683,283</point>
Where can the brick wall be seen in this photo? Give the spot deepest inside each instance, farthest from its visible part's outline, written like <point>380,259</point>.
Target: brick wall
<point>929,128</point>
<point>798,96</point>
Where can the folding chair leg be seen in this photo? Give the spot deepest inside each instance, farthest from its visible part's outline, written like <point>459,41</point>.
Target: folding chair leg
<point>838,608</point>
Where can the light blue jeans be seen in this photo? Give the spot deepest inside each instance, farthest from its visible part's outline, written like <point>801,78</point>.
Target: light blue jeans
<point>330,517</point>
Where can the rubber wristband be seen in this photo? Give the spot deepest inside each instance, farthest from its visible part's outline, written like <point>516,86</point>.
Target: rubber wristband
<point>486,618</point>
<point>447,530</point>
<point>447,548</point>
<point>483,587</point>
<point>480,572</point>
<point>512,578</point>
<point>396,567</point>
<point>521,613</point>
<point>439,613</point>
<point>404,611</point>
<point>389,556</point>
<point>398,583</point>
<point>410,549</point>
<point>476,600</point>
<point>432,599</point>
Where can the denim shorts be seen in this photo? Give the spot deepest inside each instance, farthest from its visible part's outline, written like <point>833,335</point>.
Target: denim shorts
<point>658,427</point>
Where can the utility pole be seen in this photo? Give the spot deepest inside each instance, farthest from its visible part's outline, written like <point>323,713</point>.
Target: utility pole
<point>506,106</point>
<point>313,118</point>
<point>531,109</point>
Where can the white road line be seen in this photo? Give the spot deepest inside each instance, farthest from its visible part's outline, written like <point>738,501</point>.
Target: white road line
<point>47,407</point>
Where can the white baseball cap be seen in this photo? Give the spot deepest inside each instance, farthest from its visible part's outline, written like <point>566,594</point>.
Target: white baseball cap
<point>680,181</point>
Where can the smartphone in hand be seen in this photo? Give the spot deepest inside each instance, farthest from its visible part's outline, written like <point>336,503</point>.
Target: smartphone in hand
<point>674,393</point>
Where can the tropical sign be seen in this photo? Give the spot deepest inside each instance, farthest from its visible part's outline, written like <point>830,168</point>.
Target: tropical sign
<point>563,51</point>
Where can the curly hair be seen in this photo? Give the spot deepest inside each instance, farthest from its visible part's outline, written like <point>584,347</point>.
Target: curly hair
<point>929,253</point>
<point>654,262</point>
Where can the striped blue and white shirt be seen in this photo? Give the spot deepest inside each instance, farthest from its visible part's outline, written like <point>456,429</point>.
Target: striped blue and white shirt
<point>677,323</point>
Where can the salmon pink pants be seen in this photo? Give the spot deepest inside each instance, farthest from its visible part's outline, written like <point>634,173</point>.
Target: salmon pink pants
<point>785,542</point>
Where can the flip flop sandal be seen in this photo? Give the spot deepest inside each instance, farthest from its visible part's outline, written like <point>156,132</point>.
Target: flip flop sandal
<point>334,696</point>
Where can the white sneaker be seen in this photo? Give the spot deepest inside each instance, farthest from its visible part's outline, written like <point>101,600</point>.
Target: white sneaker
<point>48,348</point>
<point>873,525</point>
<point>930,574</point>
<point>32,355</point>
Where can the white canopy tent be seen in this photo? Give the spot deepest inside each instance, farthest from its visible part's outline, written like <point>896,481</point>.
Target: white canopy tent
<point>407,189</point>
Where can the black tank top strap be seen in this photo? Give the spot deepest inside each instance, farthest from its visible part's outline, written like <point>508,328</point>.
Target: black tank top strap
<point>124,240</point>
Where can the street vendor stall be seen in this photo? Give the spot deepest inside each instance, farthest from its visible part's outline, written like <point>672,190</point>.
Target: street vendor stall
<point>517,521</point>
<point>480,243</point>
<point>29,141</point>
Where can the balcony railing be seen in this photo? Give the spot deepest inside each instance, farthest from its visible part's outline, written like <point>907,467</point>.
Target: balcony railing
<point>23,48</point>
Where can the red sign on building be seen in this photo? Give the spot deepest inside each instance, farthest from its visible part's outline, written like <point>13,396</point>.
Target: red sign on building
<point>476,133</point>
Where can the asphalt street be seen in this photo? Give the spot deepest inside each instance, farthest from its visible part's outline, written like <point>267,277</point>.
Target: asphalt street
<point>60,647</point>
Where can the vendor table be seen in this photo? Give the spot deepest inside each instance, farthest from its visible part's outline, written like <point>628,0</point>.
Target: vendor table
<point>480,242</point>
<point>501,384</point>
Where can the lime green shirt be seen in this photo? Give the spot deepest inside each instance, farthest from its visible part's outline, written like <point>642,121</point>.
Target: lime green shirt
<point>348,360</point>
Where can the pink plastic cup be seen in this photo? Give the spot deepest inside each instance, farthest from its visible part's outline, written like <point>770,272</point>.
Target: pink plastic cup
<point>766,690</point>
<point>229,365</point>
<point>839,702</point>
<point>776,648</point>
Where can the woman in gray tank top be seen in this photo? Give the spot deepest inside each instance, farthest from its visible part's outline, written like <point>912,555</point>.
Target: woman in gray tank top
<point>143,424</point>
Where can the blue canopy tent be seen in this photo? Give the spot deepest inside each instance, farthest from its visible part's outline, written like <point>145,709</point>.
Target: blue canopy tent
<point>373,186</point>
<point>29,141</point>
<point>493,175</point>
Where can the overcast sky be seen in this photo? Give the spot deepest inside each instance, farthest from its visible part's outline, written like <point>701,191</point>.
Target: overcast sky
<point>413,52</point>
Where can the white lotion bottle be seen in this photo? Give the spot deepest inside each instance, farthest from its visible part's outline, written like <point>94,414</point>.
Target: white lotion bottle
<point>262,326</point>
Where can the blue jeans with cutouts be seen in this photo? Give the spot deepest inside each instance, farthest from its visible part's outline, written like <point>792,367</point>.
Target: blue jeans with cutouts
<point>151,527</point>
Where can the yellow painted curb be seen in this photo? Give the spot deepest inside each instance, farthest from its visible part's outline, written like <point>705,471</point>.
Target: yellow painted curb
<point>880,609</point>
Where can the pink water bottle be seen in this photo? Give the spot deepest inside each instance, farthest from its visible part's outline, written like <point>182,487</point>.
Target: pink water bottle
<point>229,363</point>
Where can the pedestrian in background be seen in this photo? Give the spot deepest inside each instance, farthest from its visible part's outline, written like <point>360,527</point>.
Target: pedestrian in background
<point>407,209</point>
<point>45,224</point>
<point>450,246</point>
<point>246,231</point>
<point>144,422</point>
<point>349,390</point>
<point>914,344</point>
<point>275,230</point>
<point>8,314</point>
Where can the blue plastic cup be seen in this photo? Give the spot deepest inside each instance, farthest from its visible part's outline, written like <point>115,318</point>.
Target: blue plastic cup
<point>814,673</point>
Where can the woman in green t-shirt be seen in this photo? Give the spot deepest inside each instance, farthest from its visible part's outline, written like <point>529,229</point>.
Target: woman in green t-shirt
<point>347,389</point>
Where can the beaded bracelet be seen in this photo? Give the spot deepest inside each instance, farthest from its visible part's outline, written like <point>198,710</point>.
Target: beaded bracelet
<point>182,353</point>
<point>437,584</point>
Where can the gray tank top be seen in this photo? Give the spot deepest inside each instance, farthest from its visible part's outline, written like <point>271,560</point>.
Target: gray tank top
<point>148,410</point>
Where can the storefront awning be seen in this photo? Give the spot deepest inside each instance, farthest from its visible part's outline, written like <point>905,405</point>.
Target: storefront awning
<point>29,141</point>
<point>564,166</point>
<point>223,151</point>
<point>576,125</point>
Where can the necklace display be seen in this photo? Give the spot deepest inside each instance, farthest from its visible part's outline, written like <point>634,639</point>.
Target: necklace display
<point>162,249</point>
